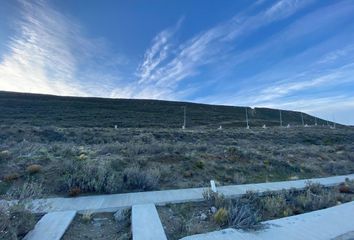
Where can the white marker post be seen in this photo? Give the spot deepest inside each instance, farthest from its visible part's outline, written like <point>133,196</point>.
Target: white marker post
<point>184,117</point>
<point>213,186</point>
<point>220,127</point>
<point>115,127</point>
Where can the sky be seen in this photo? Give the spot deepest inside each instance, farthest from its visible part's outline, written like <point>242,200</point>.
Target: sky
<point>287,54</point>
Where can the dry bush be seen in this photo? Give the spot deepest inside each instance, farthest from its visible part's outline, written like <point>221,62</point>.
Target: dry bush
<point>243,216</point>
<point>90,177</point>
<point>275,205</point>
<point>74,191</point>
<point>87,216</point>
<point>5,155</point>
<point>141,179</point>
<point>315,197</point>
<point>28,190</point>
<point>16,221</point>
<point>238,179</point>
<point>215,199</point>
<point>82,157</point>
<point>11,177</point>
<point>33,169</point>
<point>347,186</point>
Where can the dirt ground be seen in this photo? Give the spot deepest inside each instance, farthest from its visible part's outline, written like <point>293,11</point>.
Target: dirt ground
<point>100,226</point>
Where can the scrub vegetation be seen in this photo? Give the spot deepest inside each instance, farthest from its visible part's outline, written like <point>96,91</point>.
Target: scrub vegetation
<point>248,211</point>
<point>70,146</point>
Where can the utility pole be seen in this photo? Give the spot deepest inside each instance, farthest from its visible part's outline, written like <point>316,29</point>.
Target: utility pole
<point>302,120</point>
<point>184,117</point>
<point>247,120</point>
<point>280,118</point>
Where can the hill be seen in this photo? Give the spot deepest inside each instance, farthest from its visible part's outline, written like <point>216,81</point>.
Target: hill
<point>48,110</point>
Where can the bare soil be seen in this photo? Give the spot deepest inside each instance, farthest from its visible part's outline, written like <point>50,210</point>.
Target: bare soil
<point>101,226</point>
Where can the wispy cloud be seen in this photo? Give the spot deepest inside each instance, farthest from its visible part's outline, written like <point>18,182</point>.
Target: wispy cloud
<point>47,52</point>
<point>157,53</point>
<point>204,48</point>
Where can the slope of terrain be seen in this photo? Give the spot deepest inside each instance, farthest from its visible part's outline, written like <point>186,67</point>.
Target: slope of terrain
<point>46,110</point>
<point>62,146</point>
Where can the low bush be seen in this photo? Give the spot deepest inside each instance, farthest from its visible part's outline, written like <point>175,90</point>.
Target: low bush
<point>215,199</point>
<point>347,186</point>
<point>199,164</point>
<point>74,191</point>
<point>243,216</point>
<point>33,169</point>
<point>26,191</point>
<point>15,222</point>
<point>141,179</point>
<point>90,178</point>
<point>275,205</point>
<point>87,217</point>
<point>5,155</point>
<point>221,216</point>
<point>11,177</point>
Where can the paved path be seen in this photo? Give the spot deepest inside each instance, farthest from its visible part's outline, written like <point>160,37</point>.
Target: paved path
<point>52,226</point>
<point>146,224</point>
<point>113,202</point>
<point>324,224</point>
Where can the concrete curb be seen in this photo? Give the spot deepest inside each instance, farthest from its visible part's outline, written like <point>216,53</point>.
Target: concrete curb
<point>146,224</point>
<point>113,202</point>
<point>51,226</point>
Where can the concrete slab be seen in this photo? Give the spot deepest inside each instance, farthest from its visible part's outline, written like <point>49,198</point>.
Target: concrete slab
<point>51,226</point>
<point>324,224</point>
<point>113,202</point>
<point>146,224</point>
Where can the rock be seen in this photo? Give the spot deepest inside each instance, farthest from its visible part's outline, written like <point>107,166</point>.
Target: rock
<point>213,209</point>
<point>119,216</point>
<point>203,217</point>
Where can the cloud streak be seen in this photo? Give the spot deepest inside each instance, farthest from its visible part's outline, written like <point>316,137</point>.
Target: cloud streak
<point>206,47</point>
<point>49,53</point>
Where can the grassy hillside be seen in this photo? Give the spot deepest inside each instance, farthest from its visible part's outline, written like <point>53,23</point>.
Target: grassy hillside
<point>65,146</point>
<point>46,110</point>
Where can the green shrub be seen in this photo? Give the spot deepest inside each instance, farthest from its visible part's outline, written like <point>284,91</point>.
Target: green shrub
<point>199,164</point>
<point>221,216</point>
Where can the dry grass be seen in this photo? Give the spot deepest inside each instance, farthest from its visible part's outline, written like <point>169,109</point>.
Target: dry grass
<point>97,160</point>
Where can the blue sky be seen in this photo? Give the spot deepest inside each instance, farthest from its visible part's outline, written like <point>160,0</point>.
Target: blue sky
<point>289,54</point>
